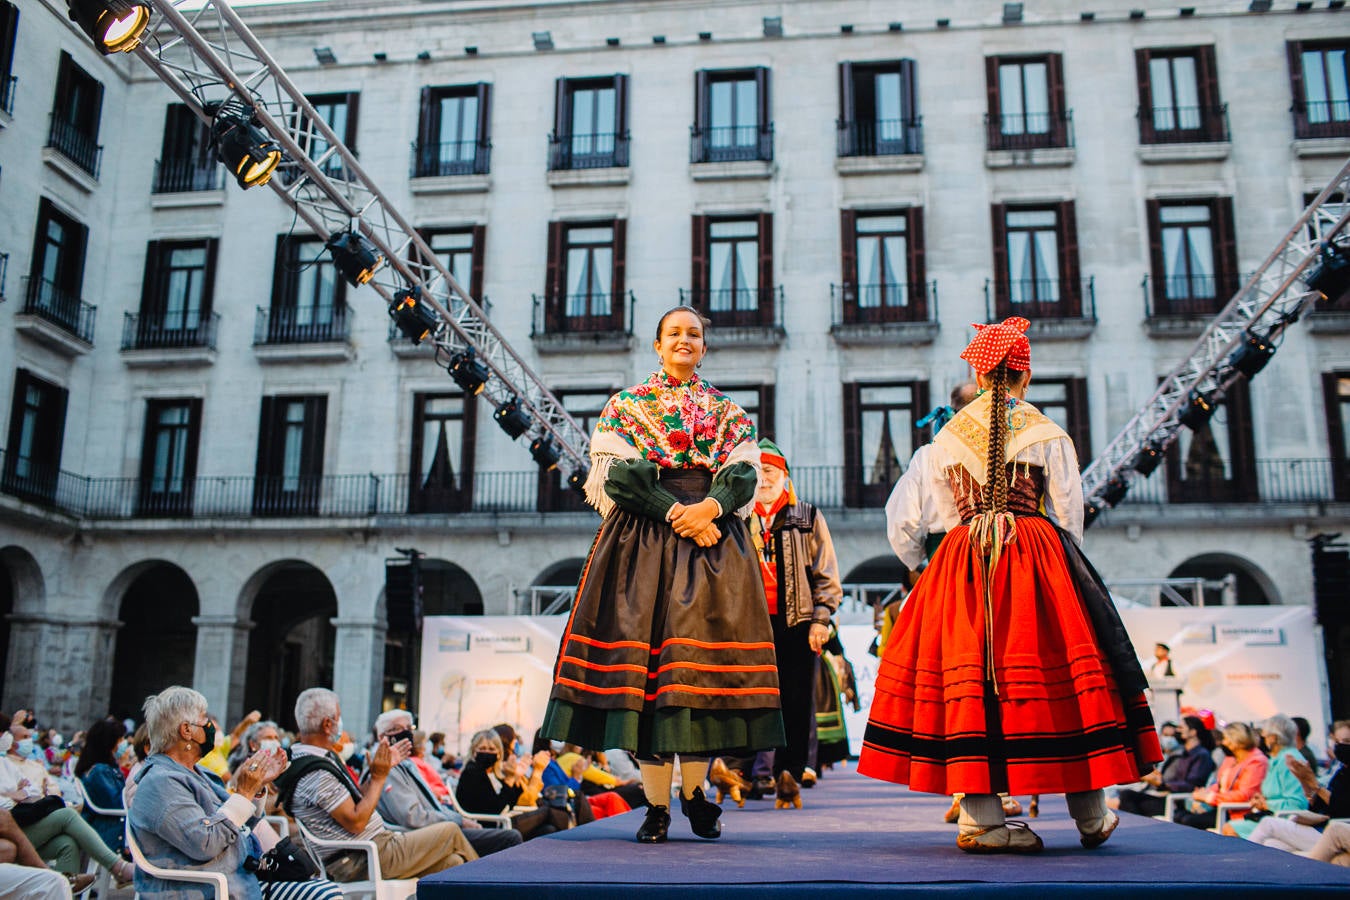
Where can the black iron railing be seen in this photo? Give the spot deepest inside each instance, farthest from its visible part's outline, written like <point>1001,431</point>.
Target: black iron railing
<point>1183,125</point>
<point>8,88</point>
<point>880,137</point>
<point>1322,119</point>
<point>856,304</point>
<point>168,331</point>
<point>738,306</point>
<point>587,151</point>
<point>302,325</point>
<point>583,314</point>
<point>1041,298</point>
<point>1186,295</point>
<point>1029,131</point>
<point>174,176</point>
<point>60,307</point>
<point>731,143</point>
<point>473,157</point>
<point>76,146</point>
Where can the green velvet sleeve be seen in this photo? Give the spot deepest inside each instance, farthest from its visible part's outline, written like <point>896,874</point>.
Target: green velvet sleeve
<point>633,485</point>
<point>734,486</point>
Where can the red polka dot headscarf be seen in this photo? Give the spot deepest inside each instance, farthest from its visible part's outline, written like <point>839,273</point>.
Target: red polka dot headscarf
<point>996,342</point>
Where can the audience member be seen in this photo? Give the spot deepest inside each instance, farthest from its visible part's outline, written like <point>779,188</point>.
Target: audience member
<point>1280,789</point>
<point>430,770</point>
<point>1301,742</point>
<point>600,805</point>
<point>261,735</point>
<point>1237,780</point>
<point>103,779</point>
<point>1185,770</point>
<point>23,873</point>
<point>488,785</point>
<point>1329,801</point>
<point>596,780</point>
<point>1333,846</point>
<point>216,760</point>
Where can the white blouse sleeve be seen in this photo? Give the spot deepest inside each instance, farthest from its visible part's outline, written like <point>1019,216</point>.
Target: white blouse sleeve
<point>904,511</point>
<point>1063,486</point>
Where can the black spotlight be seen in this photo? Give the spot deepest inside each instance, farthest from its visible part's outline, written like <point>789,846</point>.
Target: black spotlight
<point>1091,511</point>
<point>468,372</point>
<point>577,480</point>
<point>513,420</point>
<point>355,256</point>
<point>244,148</point>
<point>413,317</point>
<point>1251,355</point>
<point>1330,275</point>
<point>1199,408</point>
<point>545,452</point>
<point>1115,491</point>
<point>1149,458</point>
<point>115,26</point>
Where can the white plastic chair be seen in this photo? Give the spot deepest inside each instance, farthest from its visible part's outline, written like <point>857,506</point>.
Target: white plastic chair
<point>280,823</point>
<point>102,877</point>
<point>375,885</point>
<point>1221,819</point>
<point>1170,805</point>
<point>215,879</point>
<point>502,819</point>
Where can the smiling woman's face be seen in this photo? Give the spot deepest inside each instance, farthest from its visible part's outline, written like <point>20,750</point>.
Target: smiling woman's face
<point>680,345</point>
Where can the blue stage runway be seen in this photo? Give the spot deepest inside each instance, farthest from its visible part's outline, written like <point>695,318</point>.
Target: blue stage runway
<point>856,837</point>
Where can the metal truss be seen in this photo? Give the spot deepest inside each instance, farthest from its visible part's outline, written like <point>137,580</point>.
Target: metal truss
<point>208,57</point>
<point>1269,302</point>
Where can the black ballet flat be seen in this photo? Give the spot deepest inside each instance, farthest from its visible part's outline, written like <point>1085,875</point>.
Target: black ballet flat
<point>655,826</point>
<point>702,814</point>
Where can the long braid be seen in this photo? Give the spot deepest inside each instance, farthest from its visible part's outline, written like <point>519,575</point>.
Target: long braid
<point>996,473</point>
<point>994,527</point>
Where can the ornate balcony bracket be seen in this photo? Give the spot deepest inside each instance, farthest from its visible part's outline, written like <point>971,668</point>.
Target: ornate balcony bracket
<point>1036,158</point>
<point>51,335</point>
<point>881,334</point>
<point>1156,154</point>
<point>585,341</point>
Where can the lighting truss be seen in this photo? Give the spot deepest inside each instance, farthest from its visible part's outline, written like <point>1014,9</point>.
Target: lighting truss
<point>1269,302</point>
<point>207,55</point>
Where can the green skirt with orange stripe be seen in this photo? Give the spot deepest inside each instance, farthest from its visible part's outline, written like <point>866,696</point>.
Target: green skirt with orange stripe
<point>669,647</point>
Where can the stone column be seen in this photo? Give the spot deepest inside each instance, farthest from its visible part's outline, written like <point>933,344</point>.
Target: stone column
<point>358,670</point>
<point>61,667</point>
<point>221,664</point>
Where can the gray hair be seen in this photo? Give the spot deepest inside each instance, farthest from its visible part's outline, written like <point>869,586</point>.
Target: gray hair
<point>312,707</point>
<point>168,709</point>
<point>1282,727</point>
<point>255,729</point>
<point>390,717</point>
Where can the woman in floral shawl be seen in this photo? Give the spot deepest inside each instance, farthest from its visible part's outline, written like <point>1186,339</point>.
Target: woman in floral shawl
<point>668,649</point>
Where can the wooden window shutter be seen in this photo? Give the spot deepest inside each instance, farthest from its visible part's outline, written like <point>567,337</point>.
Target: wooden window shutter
<point>316,423</point>
<point>917,408</point>
<point>852,447</point>
<point>282,279</point>
<point>1207,75</point>
<point>909,106</point>
<point>847,113</point>
<point>64,73</point>
<point>484,113</point>
<point>554,301</point>
<point>1225,250</point>
<point>1144,76</point>
<point>39,233</point>
<point>561,127</point>
<point>1331,401</point>
<point>1241,440</point>
<point>767,295</point>
<point>620,105</point>
<point>701,102</point>
<point>1300,105</point>
<point>765,106</point>
<point>1071,289</point>
<point>918,267</point>
<point>209,281</point>
<point>353,110</point>
<point>56,426</point>
<point>848,253</point>
<point>767,412</point>
<point>194,406</point>
<point>1152,212</point>
<point>428,130</point>
<point>73,258</point>
<point>618,307</point>
<point>22,378</point>
<point>152,408</point>
<point>1080,423</point>
<point>698,257</point>
<point>267,422</point>
<point>476,261</point>
<point>999,215</point>
<point>151,296</point>
<point>1054,74</point>
<point>991,91</point>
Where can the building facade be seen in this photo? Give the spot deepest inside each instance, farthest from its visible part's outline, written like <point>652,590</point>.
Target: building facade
<point>213,446</point>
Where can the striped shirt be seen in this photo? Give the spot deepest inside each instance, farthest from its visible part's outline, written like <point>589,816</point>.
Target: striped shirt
<point>318,794</point>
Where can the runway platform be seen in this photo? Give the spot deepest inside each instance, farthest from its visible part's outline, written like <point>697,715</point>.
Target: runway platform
<point>856,837</point>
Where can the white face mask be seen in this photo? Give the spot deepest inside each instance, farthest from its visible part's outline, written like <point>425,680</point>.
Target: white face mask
<point>269,744</point>
<point>347,750</point>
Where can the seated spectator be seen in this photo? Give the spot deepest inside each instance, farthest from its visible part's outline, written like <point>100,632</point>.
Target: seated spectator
<point>1301,742</point>
<point>217,760</point>
<point>409,802</point>
<point>1329,801</point>
<point>596,780</point>
<point>1185,770</point>
<point>1237,780</point>
<point>319,791</point>
<point>430,770</point>
<point>1280,789</point>
<point>140,752</point>
<point>261,735</point>
<point>102,778</point>
<point>1333,846</point>
<point>23,874</point>
<point>600,806</point>
<point>184,819</point>
<point>488,785</point>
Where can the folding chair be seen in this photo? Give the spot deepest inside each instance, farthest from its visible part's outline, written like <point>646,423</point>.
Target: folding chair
<point>375,885</point>
<point>103,879</point>
<point>215,879</point>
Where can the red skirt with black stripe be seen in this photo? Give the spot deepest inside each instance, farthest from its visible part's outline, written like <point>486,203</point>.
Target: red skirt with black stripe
<point>1052,720</point>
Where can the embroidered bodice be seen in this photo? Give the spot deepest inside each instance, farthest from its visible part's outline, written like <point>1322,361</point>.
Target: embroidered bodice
<point>1026,486</point>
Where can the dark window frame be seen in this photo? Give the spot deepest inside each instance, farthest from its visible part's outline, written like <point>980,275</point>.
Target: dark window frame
<point>764,412</point>
<point>60,299</point>
<point>187,161</point>
<point>429,155</point>
<point>1209,117</point>
<point>857,493</point>
<point>477,255</point>
<point>702,294</point>
<point>1336,436</point>
<point>333,167</point>
<point>439,499</point>
<point>1069,304</point>
<point>47,439</point>
<point>9,35</point>
<point>860,136</point>
<point>707,146</point>
<point>1304,127</point>
<point>552,493</point>
<point>1223,252</point>
<point>1077,412</point>
<point>272,494</point>
<point>1056,134</point>
<point>77,111</point>
<point>597,149</point>
<point>283,323</point>
<point>1235,415</point>
<point>915,309</point>
<point>153,328</point>
<point>556,318</point>
<point>152,502</point>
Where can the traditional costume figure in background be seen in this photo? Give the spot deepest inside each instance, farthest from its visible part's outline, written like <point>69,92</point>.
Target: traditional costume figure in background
<point>802,590</point>
<point>1009,668</point>
<point>835,686</point>
<point>669,649</point>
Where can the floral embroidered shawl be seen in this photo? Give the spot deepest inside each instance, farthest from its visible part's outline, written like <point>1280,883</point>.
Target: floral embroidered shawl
<point>966,436</point>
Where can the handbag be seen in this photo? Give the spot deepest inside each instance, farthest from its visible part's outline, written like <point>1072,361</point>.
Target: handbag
<point>33,811</point>
<point>284,862</point>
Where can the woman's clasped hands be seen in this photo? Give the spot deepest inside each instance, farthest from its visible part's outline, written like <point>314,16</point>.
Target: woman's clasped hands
<point>696,521</point>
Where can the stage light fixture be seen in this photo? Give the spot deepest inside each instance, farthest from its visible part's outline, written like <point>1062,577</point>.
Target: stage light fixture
<point>468,372</point>
<point>244,148</point>
<point>1199,408</point>
<point>1251,355</point>
<point>355,257</point>
<point>1091,511</point>
<point>1330,275</point>
<point>577,480</point>
<point>1115,491</point>
<point>414,318</point>
<point>1149,458</point>
<point>115,26</point>
<point>545,453</point>
<point>512,419</point>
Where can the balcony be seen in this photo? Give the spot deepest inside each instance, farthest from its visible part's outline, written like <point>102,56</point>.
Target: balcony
<point>303,334</point>
<point>187,176</point>
<point>598,322</point>
<point>879,146</point>
<point>1183,134</point>
<point>1057,311</point>
<point>588,159</point>
<point>883,314</point>
<point>8,88</point>
<point>1029,139</point>
<point>741,317</point>
<point>402,345</point>
<point>56,317</point>
<point>160,339</point>
<point>1321,119</point>
<point>1183,305</point>
<point>451,167</point>
<point>731,152</point>
<point>76,146</point>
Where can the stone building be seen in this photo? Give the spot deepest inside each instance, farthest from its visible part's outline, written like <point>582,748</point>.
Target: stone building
<point>213,446</point>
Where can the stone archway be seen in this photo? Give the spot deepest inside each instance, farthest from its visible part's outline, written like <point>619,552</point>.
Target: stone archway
<point>291,646</point>
<point>22,589</point>
<point>1253,587</point>
<point>157,644</point>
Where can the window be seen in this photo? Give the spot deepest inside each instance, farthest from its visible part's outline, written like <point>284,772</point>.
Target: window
<point>1036,262</point>
<point>308,296</point>
<point>1193,255</point>
<point>57,274</point>
<point>176,294</point>
<point>585,407</point>
<point>1217,462</point>
<point>338,111</point>
<point>460,250</point>
<point>75,115</point>
<point>585,277</point>
<point>1179,96</point>
<point>879,437</point>
<point>1064,400</point>
<point>590,126</point>
<point>452,131</point>
<point>1026,102</point>
<point>37,423</point>
<point>1320,81</point>
<point>758,402</point>
<point>883,266</point>
<point>1336,395</point>
<point>290,456</point>
<point>733,269</point>
<point>878,113</point>
<point>442,453</point>
<point>9,26</point>
<point>169,456</point>
<point>731,116</point>
<point>186,159</point>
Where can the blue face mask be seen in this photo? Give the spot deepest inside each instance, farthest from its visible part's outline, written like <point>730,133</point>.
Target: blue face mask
<point>27,748</point>
<point>1170,743</point>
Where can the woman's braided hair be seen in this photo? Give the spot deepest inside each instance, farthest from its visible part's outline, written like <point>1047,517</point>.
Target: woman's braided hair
<point>994,498</point>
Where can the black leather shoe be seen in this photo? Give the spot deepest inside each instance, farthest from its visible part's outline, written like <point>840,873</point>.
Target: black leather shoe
<point>655,826</point>
<point>702,814</point>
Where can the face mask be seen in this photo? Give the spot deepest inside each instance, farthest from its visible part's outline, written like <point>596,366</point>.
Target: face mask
<point>336,732</point>
<point>58,741</point>
<point>485,760</point>
<point>1226,751</point>
<point>286,743</point>
<point>269,744</point>
<point>26,748</point>
<point>347,750</point>
<point>404,735</point>
<point>1170,743</point>
<point>1342,753</point>
<point>209,742</point>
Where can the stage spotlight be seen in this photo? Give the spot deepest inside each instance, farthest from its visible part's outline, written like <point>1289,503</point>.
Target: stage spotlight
<point>468,372</point>
<point>413,317</point>
<point>1091,510</point>
<point>244,148</point>
<point>545,453</point>
<point>577,480</point>
<point>115,26</point>
<point>1199,408</point>
<point>1330,275</point>
<point>1149,458</point>
<point>1115,491</point>
<point>1251,355</point>
<point>355,257</point>
<point>513,420</point>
